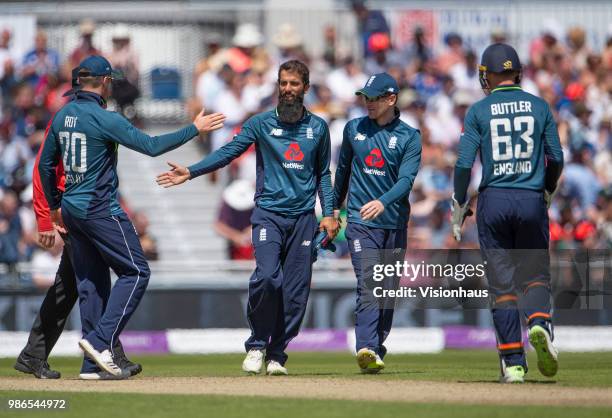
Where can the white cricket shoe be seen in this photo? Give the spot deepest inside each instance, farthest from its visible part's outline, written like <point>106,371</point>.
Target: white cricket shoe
<point>254,361</point>
<point>276,369</point>
<point>103,359</point>
<point>102,375</point>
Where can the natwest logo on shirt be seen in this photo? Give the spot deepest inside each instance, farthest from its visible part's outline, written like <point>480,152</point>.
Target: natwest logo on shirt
<point>293,153</point>
<point>375,160</point>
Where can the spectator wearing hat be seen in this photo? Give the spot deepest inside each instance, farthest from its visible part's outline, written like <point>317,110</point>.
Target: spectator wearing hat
<point>124,59</point>
<point>85,47</point>
<point>289,43</point>
<point>245,43</point>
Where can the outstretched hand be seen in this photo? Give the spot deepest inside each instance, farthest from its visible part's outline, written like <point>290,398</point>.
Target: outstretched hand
<point>208,123</point>
<point>174,177</point>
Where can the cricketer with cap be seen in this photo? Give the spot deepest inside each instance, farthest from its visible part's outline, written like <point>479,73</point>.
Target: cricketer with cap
<point>516,136</point>
<point>84,138</point>
<point>378,162</point>
<point>62,295</point>
<point>293,156</point>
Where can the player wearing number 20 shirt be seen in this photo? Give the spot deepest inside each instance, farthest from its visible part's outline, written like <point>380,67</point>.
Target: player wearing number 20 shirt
<point>84,138</point>
<point>521,158</point>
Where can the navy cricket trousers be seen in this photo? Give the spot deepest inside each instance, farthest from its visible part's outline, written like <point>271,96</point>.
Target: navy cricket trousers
<point>280,285</point>
<point>97,245</point>
<point>374,316</point>
<point>514,236</point>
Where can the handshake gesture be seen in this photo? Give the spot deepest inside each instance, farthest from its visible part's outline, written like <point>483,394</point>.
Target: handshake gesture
<point>179,174</point>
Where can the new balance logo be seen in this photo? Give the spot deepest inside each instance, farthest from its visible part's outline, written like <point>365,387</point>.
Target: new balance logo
<point>306,244</point>
<point>276,132</point>
<point>357,246</point>
<point>360,137</point>
<point>262,234</point>
<point>392,142</point>
<point>309,133</point>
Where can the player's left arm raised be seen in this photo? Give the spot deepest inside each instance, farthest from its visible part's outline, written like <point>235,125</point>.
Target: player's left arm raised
<point>409,167</point>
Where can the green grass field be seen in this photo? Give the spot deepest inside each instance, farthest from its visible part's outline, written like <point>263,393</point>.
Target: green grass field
<point>577,370</point>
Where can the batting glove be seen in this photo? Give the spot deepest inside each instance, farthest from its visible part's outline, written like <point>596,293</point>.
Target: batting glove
<point>459,213</point>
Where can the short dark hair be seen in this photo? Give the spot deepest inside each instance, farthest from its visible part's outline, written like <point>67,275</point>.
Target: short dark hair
<point>86,79</point>
<point>295,66</point>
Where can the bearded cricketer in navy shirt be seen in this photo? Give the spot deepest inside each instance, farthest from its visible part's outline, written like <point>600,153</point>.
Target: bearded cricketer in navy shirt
<point>293,154</point>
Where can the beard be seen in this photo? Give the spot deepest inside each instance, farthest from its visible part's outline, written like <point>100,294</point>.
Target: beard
<point>290,107</point>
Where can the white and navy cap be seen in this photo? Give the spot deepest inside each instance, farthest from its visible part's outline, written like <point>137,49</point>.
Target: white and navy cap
<point>379,85</point>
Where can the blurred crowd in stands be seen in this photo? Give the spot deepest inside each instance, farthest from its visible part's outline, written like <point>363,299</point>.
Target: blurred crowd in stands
<point>436,91</point>
<point>239,79</point>
<point>32,89</point>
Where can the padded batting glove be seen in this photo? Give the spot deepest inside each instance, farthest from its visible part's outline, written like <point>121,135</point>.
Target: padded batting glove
<point>459,213</point>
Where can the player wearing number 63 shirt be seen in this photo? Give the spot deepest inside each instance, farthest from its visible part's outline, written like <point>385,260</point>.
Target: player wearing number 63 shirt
<point>522,160</point>
<point>84,137</point>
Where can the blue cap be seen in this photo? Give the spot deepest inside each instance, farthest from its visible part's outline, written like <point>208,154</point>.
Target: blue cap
<point>97,66</point>
<point>379,85</point>
<point>498,58</point>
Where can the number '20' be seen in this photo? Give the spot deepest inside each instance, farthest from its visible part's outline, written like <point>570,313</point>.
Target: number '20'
<point>69,140</point>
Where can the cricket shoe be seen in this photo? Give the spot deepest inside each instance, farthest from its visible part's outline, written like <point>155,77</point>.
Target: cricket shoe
<point>548,363</point>
<point>32,365</point>
<point>125,364</point>
<point>369,362</point>
<point>103,359</point>
<point>276,369</point>
<point>254,361</point>
<point>513,374</point>
<point>102,375</point>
